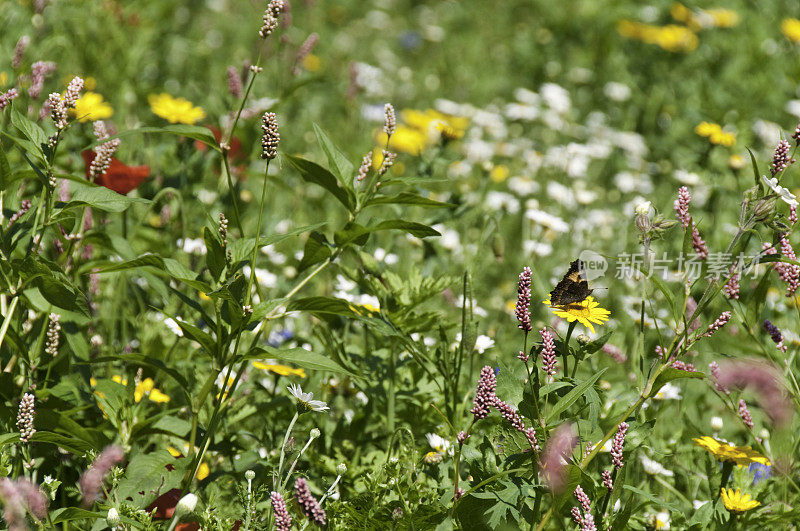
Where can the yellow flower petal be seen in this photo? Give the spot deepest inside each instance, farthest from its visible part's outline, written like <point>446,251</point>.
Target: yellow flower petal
<point>175,110</point>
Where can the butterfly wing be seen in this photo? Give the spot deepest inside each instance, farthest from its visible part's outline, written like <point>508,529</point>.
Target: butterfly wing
<point>572,288</point>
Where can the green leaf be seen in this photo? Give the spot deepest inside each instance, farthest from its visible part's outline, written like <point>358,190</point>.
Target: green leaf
<point>337,161</point>
<point>196,132</point>
<point>621,520</point>
<point>756,173</point>
<point>354,231</point>
<point>597,344</point>
<point>658,502</point>
<point>100,197</point>
<point>8,438</point>
<point>300,357</point>
<point>5,170</point>
<point>407,198</point>
<point>215,254</point>
<point>162,266</point>
<point>71,444</point>
<point>149,473</point>
<point>30,130</point>
<point>321,305</point>
<point>242,248</point>
<point>315,251</point>
<point>205,340</point>
<point>316,174</point>
<point>571,397</point>
<point>669,374</point>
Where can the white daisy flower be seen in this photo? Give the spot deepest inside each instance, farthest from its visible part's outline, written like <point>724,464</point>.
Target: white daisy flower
<point>305,401</point>
<point>440,444</point>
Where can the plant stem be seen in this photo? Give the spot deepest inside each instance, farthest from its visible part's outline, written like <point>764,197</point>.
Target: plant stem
<point>565,352</point>
<point>276,479</point>
<point>258,235</point>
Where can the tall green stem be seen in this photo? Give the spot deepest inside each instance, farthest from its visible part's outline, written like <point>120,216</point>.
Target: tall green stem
<point>258,235</point>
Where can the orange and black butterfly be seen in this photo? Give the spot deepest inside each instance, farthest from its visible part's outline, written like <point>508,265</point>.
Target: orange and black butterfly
<point>572,289</point>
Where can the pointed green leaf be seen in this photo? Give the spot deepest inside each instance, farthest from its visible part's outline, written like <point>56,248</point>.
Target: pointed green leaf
<point>337,161</point>
<point>300,357</point>
<point>316,174</point>
<point>408,198</point>
<point>570,398</point>
<point>669,374</point>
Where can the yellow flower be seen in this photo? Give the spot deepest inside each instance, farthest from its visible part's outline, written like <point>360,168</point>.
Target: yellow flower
<point>585,312</point>
<point>741,455</point>
<point>158,397</point>
<point>723,139</point>
<point>202,471</point>
<point>142,388</point>
<point>312,63</point>
<point>174,451</point>
<point>499,173</point>
<point>791,29</point>
<point>3,78</point>
<point>672,38</point>
<point>736,162</point>
<point>282,370</point>
<point>432,121</point>
<point>723,18</point>
<point>675,38</point>
<point>680,12</point>
<point>175,110</point>
<point>117,378</point>
<point>736,502</point>
<point>404,139</point>
<point>707,129</point>
<point>91,106</point>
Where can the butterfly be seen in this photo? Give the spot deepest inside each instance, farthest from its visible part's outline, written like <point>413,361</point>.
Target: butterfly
<point>572,289</point>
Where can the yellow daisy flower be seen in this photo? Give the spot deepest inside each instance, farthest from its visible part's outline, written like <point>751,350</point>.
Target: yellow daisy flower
<point>585,312</point>
<point>707,129</point>
<point>499,173</point>
<point>91,106</point>
<point>175,110</point>
<point>404,139</point>
<point>736,502</point>
<point>741,455</point>
<point>282,370</point>
<point>791,29</point>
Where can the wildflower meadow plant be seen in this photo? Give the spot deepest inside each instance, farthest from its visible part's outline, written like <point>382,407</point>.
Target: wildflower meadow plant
<point>322,265</point>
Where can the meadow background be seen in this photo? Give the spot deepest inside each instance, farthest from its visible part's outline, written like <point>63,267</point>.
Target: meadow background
<point>526,134</point>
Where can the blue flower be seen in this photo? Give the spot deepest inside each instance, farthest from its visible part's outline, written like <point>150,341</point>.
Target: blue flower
<point>760,472</point>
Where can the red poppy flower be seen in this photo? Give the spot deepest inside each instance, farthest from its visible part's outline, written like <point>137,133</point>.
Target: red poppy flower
<point>120,177</point>
<point>235,152</point>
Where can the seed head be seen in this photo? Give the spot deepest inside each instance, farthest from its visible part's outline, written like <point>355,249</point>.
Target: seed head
<point>269,136</point>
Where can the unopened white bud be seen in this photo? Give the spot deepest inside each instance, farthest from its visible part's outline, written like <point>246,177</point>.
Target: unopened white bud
<point>249,475</point>
<point>314,433</point>
<point>113,519</point>
<point>716,423</point>
<point>642,209</point>
<point>341,469</point>
<point>186,505</point>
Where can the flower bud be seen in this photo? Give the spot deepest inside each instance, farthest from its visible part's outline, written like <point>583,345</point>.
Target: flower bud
<point>249,475</point>
<point>764,208</point>
<point>583,339</point>
<point>341,469</point>
<point>314,433</point>
<point>716,423</point>
<point>113,519</point>
<point>643,223</point>
<point>186,505</point>
<point>642,209</point>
